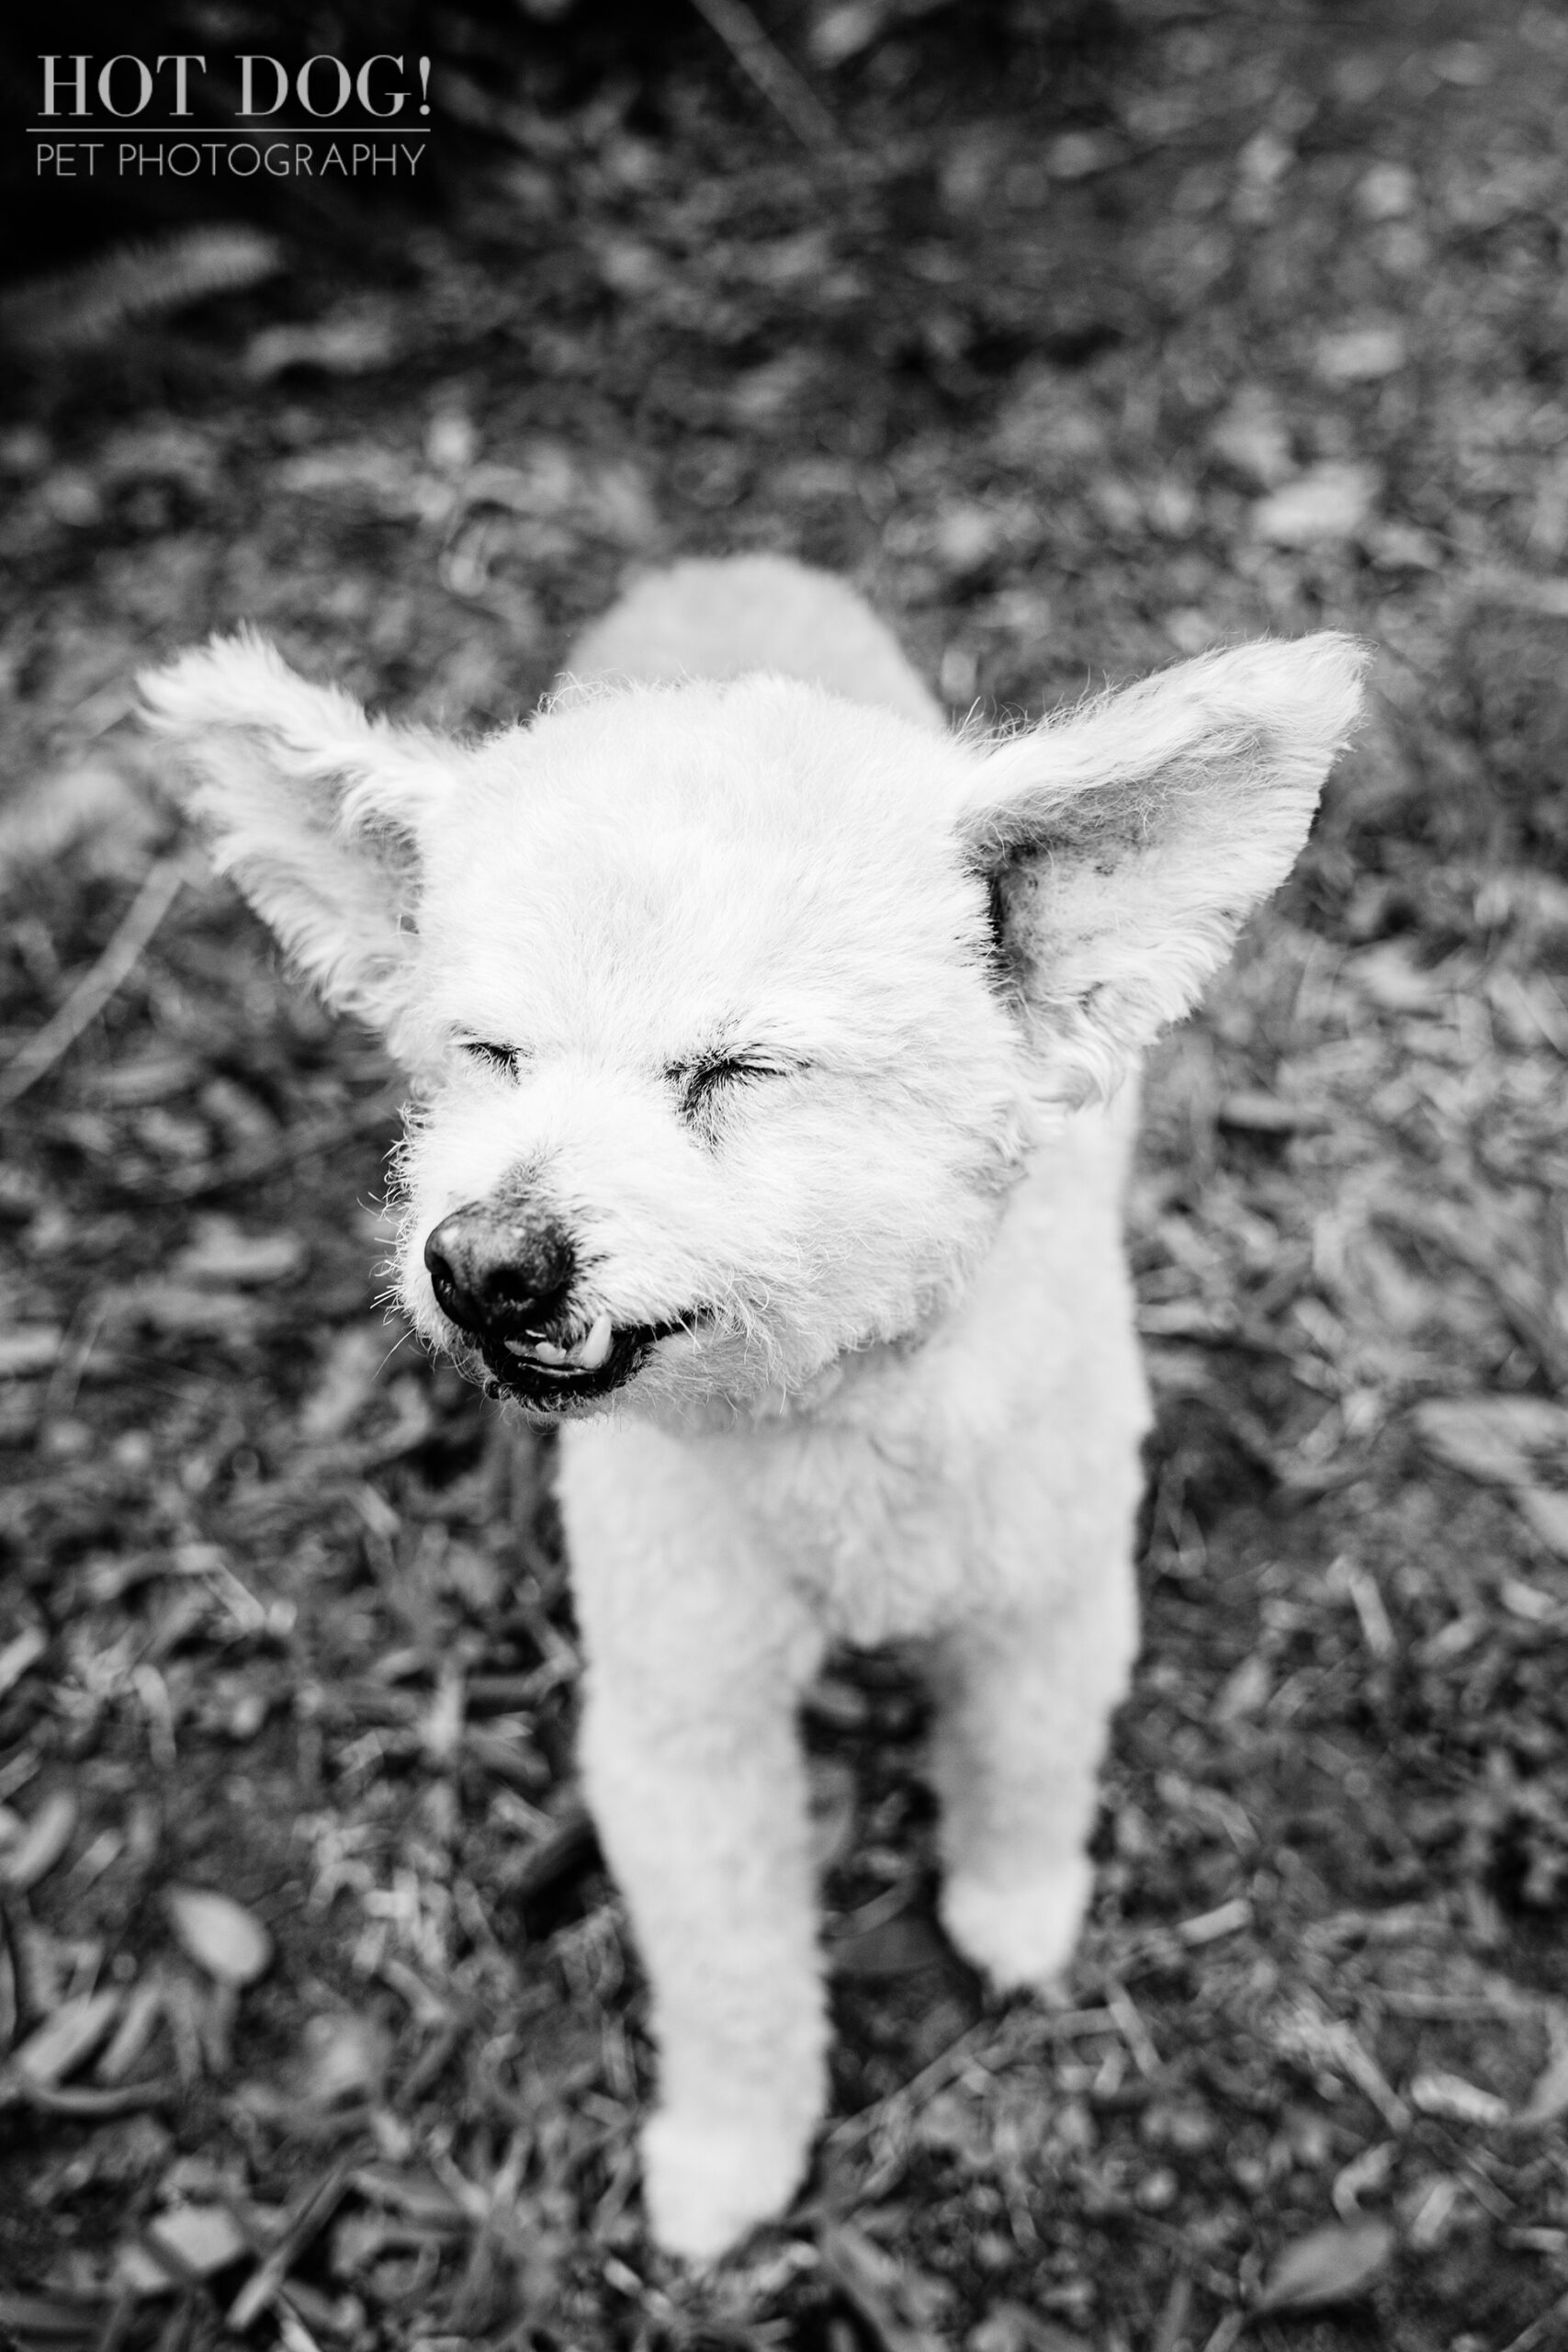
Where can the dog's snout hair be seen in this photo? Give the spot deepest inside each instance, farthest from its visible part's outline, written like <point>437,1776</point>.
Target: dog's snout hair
<point>495,1271</point>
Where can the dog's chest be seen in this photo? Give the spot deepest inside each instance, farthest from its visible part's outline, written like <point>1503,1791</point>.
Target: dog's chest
<point>979,1468</point>
<point>888,1526</point>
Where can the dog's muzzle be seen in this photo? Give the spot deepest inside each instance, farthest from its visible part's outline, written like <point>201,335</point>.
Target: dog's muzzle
<point>507,1282</point>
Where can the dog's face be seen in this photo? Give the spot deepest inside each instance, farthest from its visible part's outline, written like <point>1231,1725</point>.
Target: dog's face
<point>714,1084</point>
<point>732,1011</point>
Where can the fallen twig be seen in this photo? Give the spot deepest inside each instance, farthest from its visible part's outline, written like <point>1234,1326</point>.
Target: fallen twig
<point>309,2217</point>
<point>1134,2031</point>
<point>1172,2327</point>
<point>50,2319</point>
<point>433,2063</point>
<point>95,2106</point>
<point>116,2323</point>
<point>1542,2330</point>
<point>786,91</point>
<point>159,891</point>
<point>930,2078</point>
<point>1058,2025</point>
<point>868,2279</point>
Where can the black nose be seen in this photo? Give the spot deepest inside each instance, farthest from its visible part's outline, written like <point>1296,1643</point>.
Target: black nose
<point>495,1272</point>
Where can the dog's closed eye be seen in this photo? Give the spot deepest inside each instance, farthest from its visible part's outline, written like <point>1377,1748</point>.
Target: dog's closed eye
<point>703,1084</point>
<point>508,1058</point>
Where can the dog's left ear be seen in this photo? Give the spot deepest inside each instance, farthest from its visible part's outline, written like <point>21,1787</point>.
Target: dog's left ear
<point>1124,842</point>
<point>313,806</point>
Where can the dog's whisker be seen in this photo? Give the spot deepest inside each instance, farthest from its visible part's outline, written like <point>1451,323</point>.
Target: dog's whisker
<point>401,1340</point>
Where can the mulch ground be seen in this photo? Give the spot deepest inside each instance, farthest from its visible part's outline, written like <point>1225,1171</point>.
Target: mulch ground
<point>323,2025</point>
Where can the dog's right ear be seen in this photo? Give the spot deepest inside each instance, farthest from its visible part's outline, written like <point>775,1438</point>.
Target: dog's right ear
<point>1124,842</point>
<point>314,807</point>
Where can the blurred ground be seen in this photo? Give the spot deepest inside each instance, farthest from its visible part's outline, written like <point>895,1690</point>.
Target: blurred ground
<point>1078,355</point>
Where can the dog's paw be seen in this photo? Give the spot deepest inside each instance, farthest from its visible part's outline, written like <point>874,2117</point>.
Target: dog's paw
<point>706,2181</point>
<point>1022,1934</point>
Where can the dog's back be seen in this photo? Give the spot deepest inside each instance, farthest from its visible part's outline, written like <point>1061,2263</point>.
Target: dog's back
<point>708,619</point>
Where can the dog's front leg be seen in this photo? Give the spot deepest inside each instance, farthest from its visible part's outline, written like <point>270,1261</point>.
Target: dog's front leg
<point>696,1656</point>
<point>1024,1701</point>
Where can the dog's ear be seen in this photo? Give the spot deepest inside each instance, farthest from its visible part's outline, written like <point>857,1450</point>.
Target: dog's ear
<point>1124,842</point>
<point>313,806</point>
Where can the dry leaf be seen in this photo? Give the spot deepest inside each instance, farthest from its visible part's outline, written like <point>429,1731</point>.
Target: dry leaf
<point>832,1811</point>
<point>346,2057</point>
<point>72,2034</point>
<point>183,1310</point>
<point>1011,2327</point>
<point>1387,192</point>
<point>18,1655</point>
<point>880,2288</point>
<point>355,340</point>
<point>1547,1513</point>
<point>41,1843</point>
<point>1251,437</point>
<point>218,1934</point>
<point>1549,2096</point>
<point>841,32</point>
<point>1466,64</point>
<point>1211,1926</point>
<point>31,1347</point>
<point>345,1384</point>
<point>68,2320</point>
<point>1491,1438</point>
<point>422,2200</point>
<point>1431,2210</point>
<point>1245,1690</point>
<point>1390,976</point>
<point>1437,2093</point>
<point>1332,502</point>
<point>201,2238</point>
<point>135,2031</point>
<point>1361,354</point>
<point>222,1254</point>
<point>1078,154</point>
<point>1257,1113</point>
<point>1362,2177</point>
<point>1329,2266</point>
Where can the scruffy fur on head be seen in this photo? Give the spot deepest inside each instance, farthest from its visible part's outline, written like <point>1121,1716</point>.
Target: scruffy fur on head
<point>766,1040</point>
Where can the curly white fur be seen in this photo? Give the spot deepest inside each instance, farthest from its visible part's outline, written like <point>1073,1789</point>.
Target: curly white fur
<point>905,1399</point>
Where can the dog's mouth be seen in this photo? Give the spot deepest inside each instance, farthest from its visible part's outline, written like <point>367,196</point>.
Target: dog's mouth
<point>552,1375</point>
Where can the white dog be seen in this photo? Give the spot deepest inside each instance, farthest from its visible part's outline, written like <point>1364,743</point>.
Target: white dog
<point>764,1034</point>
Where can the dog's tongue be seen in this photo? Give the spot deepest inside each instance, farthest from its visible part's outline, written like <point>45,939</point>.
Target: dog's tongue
<point>585,1354</point>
